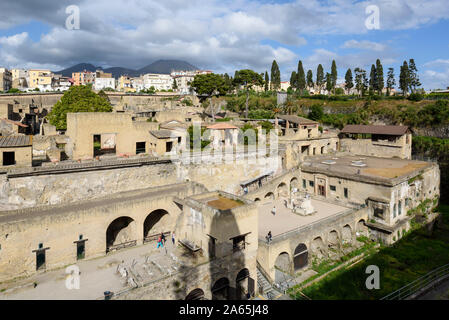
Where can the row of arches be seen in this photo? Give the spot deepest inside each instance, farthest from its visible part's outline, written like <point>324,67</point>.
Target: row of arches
<point>283,189</point>
<point>222,289</point>
<point>318,248</point>
<point>123,230</point>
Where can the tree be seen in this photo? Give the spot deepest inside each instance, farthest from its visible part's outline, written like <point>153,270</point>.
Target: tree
<point>391,82</point>
<point>404,78</point>
<point>208,85</point>
<point>320,77</point>
<point>329,82</point>
<point>316,112</point>
<point>334,75</point>
<point>349,81</point>
<point>373,80</point>
<point>267,81</point>
<point>248,78</point>
<point>379,76</point>
<point>77,99</point>
<point>360,81</point>
<point>294,80</point>
<point>301,77</point>
<point>414,79</point>
<point>175,84</point>
<point>275,76</point>
<point>310,79</point>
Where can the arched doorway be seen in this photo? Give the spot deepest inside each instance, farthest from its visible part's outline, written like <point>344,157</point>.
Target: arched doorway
<point>121,233</point>
<point>282,267</point>
<point>333,244</point>
<point>154,223</point>
<point>220,290</point>
<point>257,200</point>
<point>300,258</point>
<point>269,195</point>
<point>362,229</point>
<point>346,234</point>
<point>242,284</point>
<point>318,249</point>
<point>196,294</point>
<point>294,184</point>
<point>282,190</point>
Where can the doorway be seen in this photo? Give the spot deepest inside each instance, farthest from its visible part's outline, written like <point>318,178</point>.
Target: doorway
<point>9,158</point>
<point>321,190</point>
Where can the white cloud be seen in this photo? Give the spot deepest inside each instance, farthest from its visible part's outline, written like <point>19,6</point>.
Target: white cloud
<point>364,45</point>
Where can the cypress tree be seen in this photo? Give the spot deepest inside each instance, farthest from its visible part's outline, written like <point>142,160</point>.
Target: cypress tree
<point>301,77</point>
<point>372,79</point>
<point>275,76</point>
<point>267,81</point>
<point>294,80</point>
<point>310,79</point>
<point>379,76</point>
<point>334,75</point>
<point>349,81</point>
<point>320,76</point>
<point>404,78</point>
<point>414,79</point>
<point>391,82</point>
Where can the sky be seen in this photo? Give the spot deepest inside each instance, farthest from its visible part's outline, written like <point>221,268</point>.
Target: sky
<point>227,35</point>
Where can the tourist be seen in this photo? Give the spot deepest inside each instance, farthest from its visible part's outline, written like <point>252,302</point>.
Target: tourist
<point>163,237</point>
<point>173,237</point>
<point>269,237</point>
<point>159,243</point>
<point>273,211</point>
<point>245,190</point>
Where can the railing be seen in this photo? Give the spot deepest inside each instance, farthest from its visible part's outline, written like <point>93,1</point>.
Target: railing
<point>420,283</point>
<point>123,245</point>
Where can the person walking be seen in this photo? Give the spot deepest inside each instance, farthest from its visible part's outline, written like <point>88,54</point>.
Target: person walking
<point>163,237</point>
<point>273,211</point>
<point>173,237</point>
<point>159,242</point>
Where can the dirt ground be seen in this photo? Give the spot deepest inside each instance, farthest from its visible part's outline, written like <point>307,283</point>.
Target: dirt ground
<point>224,203</point>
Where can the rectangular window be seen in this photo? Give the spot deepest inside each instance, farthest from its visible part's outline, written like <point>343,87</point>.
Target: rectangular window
<point>346,192</point>
<point>238,243</point>
<point>304,185</point>
<point>333,188</point>
<point>311,183</point>
<point>140,147</point>
<point>9,158</point>
<point>378,213</point>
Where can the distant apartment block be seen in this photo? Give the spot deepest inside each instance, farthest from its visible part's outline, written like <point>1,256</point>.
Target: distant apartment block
<point>83,78</point>
<point>5,79</point>
<point>103,83</point>
<point>158,81</point>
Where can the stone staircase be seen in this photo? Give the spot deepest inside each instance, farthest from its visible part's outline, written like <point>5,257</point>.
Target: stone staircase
<point>264,284</point>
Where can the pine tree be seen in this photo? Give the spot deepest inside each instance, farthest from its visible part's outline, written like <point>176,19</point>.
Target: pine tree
<point>310,79</point>
<point>349,81</point>
<point>334,75</point>
<point>414,79</point>
<point>301,77</point>
<point>267,81</point>
<point>391,82</point>
<point>372,80</point>
<point>320,77</point>
<point>275,76</point>
<point>404,78</point>
<point>294,80</point>
<point>379,76</point>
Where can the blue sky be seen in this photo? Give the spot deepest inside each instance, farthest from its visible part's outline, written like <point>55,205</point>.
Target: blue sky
<point>230,34</point>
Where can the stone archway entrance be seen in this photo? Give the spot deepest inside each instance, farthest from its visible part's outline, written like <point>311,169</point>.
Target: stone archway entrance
<point>121,233</point>
<point>243,284</point>
<point>154,224</point>
<point>283,267</point>
<point>196,294</point>
<point>220,289</point>
<point>300,258</point>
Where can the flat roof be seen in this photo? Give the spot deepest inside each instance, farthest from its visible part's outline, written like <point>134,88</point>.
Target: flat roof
<point>285,220</point>
<point>161,134</point>
<point>372,129</point>
<point>15,141</point>
<point>363,168</point>
<point>296,119</point>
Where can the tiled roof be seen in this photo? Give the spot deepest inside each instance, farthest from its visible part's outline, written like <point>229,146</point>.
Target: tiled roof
<point>371,129</point>
<point>15,141</point>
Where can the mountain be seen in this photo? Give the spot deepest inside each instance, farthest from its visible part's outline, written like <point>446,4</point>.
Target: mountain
<point>76,68</point>
<point>166,67</point>
<point>159,66</point>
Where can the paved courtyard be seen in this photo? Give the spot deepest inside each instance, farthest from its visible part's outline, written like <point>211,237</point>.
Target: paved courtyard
<point>142,264</point>
<point>285,220</point>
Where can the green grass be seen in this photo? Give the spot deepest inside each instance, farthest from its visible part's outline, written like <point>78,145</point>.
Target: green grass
<point>413,256</point>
